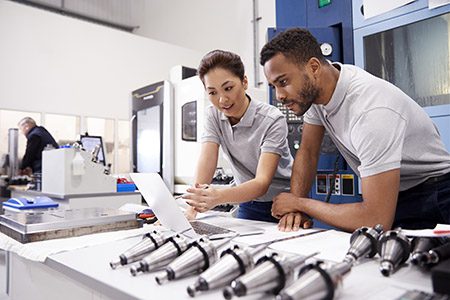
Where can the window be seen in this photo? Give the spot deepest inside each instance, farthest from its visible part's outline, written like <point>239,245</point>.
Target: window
<point>65,129</point>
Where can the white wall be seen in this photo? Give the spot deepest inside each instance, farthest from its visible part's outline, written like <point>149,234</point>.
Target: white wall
<point>205,25</point>
<point>53,63</point>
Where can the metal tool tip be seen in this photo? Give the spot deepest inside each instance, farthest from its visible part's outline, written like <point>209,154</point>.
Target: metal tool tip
<point>239,289</point>
<point>386,268</point>
<point>228,293</point>
<point>416,258</point>
<point>162,278</point>
<point>114,264</point>
<point>191,290</point>
<point>134,270</point>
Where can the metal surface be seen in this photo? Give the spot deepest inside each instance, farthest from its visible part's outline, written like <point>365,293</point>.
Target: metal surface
<point>51,224</point>
<point>394,249</point>
<point>271,274</point>
<point>420,248</point>
<point>175,246</point>
<point>363,243</point>
<point>150,242</point>
<point>234,262</point>
<point>13,144</point>
<point>316,282</point>
<point>201,255</point>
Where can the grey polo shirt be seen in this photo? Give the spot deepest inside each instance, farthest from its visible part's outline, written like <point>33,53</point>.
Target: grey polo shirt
<point>378,128</point>
<point>262,129</point>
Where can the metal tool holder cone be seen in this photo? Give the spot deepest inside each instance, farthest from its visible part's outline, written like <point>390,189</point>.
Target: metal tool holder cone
<point>199,257</point>
<point>420,247</point>
<point>394,249</point>
<point>363,243</point>
<point>234,262</point>
<point>436,255</point>
<point>161,257</point>
<point>271,274</point>
<point>316,282</point>
<point>150,242</point>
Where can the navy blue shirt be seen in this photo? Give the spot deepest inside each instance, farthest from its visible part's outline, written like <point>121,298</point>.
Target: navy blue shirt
<point>37,138</point>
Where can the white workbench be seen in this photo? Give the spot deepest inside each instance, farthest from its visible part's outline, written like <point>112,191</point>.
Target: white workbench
<point>85,274</point>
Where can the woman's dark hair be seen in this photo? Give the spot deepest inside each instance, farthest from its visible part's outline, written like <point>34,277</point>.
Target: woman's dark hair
<point>297,44</point>
<point>221,59</point>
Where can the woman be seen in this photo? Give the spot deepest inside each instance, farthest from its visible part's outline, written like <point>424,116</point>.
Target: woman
<point>252,136</point>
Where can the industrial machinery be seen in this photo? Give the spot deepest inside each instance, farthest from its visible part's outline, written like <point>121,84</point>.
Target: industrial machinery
<point>316,282</point>
<point>28,227</point>
<point>394,249</point>
<point>391,46</point>
<point>150,242</point>
<point>152,130</point>
<point>234,262</point>
<point>363,243</point>
<point>68,171</point>
<point>161,257</point>
<point>271,274</point>
<point>199,257</point>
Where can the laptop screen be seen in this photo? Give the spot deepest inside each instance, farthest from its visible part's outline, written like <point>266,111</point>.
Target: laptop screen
<point>162,202</point>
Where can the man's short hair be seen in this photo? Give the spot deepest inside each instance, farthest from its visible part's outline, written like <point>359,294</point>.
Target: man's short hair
<point>27,120</point>
<point>297,44</point>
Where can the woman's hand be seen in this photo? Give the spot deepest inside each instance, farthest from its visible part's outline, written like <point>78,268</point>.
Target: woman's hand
<point>190,213</point>
<point>202,198</point>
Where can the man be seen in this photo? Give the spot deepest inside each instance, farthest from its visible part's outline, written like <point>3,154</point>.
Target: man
<point>386,138</point>
<point>37,139</point>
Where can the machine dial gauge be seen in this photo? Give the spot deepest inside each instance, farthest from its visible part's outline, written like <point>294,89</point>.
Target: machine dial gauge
<point>327,49</point>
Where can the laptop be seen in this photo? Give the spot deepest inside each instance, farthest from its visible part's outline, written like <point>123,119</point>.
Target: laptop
<point>166,209</point>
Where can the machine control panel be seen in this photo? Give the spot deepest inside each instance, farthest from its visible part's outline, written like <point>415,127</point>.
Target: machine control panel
<point>340,184</point>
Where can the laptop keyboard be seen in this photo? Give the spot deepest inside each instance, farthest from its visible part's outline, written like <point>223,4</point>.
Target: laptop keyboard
<point>203,228</point>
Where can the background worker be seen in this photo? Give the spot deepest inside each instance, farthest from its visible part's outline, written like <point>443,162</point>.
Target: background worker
<point>37,139</point>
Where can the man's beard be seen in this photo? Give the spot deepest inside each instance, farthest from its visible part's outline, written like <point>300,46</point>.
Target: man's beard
<point>309,94</point>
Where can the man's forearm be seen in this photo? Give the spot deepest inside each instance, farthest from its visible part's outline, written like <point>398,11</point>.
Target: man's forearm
<point>303,173</point>
<point>348,217</point>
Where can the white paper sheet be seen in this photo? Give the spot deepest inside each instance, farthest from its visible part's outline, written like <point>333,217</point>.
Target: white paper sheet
<point>270,234</point>
<point>374,8</point>
<point>332,245</point>
<point>437,3</point>
<point>439,230</point>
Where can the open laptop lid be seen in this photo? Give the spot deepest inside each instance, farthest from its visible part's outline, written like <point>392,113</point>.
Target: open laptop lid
<point>162,202</point>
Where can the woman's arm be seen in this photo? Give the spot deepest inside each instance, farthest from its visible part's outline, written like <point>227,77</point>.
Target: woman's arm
<point>207,163</point>
<point>204,199</point>
<point>206,166</point>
